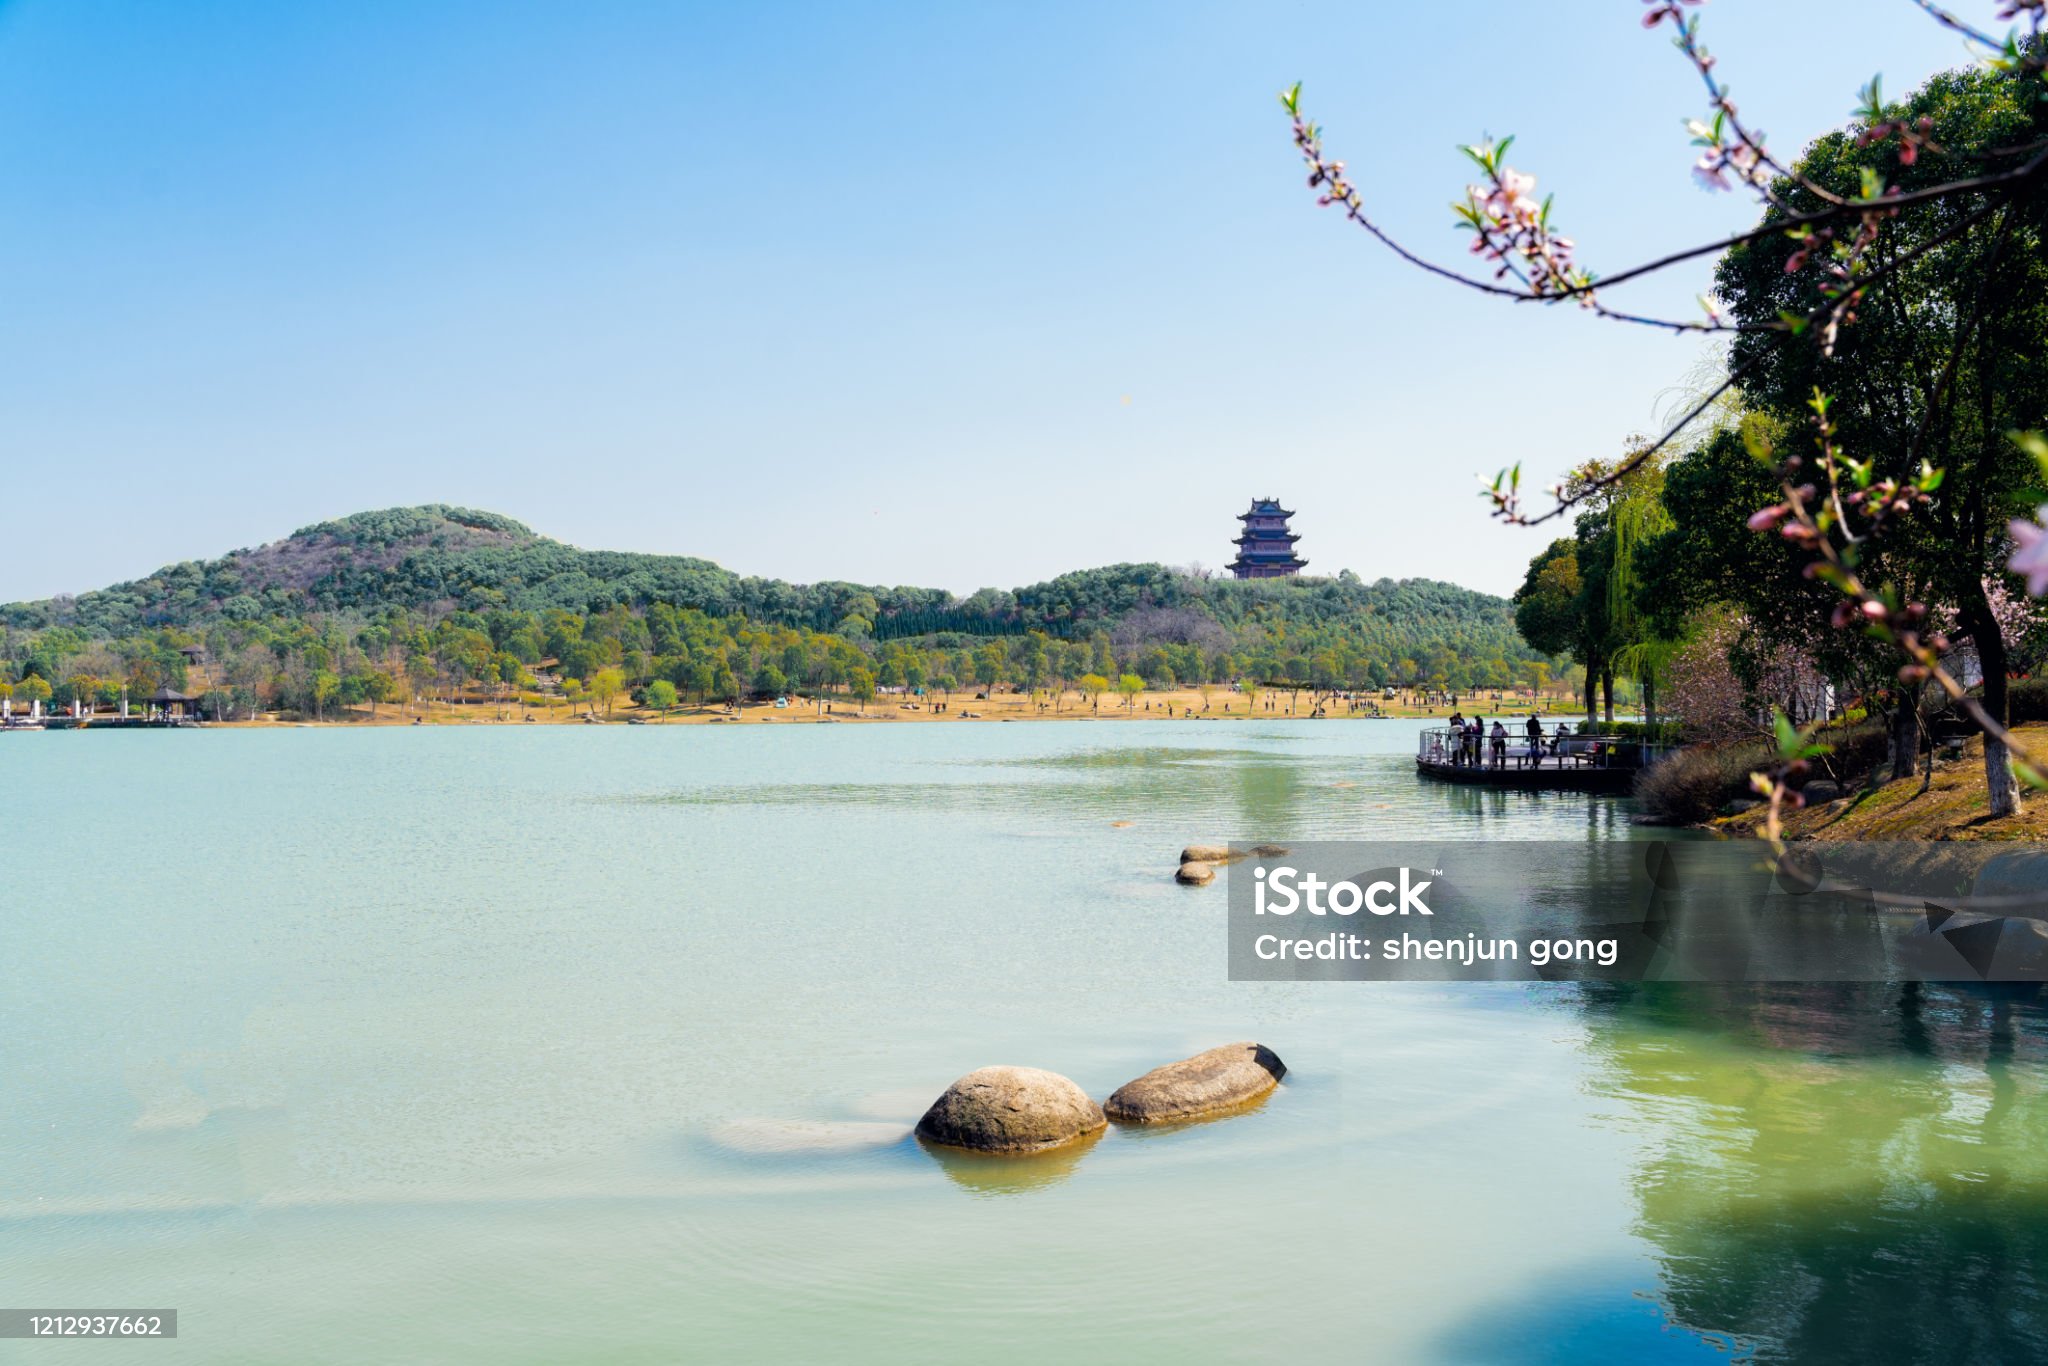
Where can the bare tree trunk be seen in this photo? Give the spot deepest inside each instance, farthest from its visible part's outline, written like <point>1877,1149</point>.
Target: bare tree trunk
<point>2002,787</point>
<point>1905,741</point>
<point>1927,762</point>
<point>1906,734</point>
<point>1607,694</point>
<point>2000,783</point>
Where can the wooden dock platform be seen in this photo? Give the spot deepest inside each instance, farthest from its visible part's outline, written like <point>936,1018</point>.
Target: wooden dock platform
<point>1548,776</point>
<point>1594,764</point>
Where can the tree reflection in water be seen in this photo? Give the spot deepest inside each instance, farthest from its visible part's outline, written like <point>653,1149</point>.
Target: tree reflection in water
<point>1843,1171</point>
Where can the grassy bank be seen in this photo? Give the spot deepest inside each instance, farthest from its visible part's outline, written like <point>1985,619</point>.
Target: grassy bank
<point>1953,807</point>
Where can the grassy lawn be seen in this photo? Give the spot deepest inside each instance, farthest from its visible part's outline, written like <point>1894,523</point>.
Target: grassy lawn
<point>1953,807</point>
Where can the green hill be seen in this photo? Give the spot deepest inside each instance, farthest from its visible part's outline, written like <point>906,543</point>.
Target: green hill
<point>358,589</point>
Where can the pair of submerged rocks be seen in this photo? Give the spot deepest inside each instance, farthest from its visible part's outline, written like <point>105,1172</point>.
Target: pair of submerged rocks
<point>1028,1110</point>
<point>1199,862</point>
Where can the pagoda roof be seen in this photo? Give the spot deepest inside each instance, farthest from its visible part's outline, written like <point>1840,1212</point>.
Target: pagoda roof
<point>171,695</point>
<point>1250,536</point>
<point>1265,507</point>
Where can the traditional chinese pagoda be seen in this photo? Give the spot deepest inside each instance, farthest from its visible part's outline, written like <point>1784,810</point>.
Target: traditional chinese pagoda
<point>1266,549</point>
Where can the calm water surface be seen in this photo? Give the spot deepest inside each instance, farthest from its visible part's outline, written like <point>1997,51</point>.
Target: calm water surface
<point>568,1044</point>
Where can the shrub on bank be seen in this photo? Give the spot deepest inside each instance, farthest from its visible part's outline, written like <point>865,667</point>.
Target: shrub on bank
<point>1654,733</point>
<point>2027,700</point>
<point>1694,784</point>
<point>1860,748</point>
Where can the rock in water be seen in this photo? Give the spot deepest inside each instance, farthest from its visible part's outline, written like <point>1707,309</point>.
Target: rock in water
<point>1010,1110</point>
<point>1269,851</point>
<point>1208,853</point>
<point>1207,1084</point>
<point>1196,874</point>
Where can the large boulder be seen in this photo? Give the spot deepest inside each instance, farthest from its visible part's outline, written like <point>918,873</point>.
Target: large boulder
<point>1195,874</point>
<point>1209,853</point>
<point>1010,1110</point>
<point>1212,1083</point>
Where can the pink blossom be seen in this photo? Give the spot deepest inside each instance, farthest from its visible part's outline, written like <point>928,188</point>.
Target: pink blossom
<point>1517,184</point>
<point>1660,10</point>
<point>1510,201</point>
<point>2030,556</point>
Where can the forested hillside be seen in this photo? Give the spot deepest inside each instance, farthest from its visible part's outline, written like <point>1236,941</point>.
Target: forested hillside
<point>434,596</point>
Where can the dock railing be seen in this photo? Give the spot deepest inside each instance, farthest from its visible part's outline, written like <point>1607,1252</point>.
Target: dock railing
<point>1446,747</point>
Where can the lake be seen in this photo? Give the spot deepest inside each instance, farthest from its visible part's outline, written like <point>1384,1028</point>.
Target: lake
<point>501,1044</point>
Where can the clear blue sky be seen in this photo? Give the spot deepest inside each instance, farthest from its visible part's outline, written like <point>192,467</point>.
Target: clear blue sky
<point>953,294</point>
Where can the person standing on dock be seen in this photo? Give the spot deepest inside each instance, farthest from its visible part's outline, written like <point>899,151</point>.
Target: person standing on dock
<point>1457,738</point>
<point>1535,729</point>
<point>1500,745</point>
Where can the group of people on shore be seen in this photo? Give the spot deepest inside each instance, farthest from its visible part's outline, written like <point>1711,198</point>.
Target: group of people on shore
<point>1473,744</point>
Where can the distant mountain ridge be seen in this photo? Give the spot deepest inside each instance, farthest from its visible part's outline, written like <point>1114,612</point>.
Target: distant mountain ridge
<point>438,559</point>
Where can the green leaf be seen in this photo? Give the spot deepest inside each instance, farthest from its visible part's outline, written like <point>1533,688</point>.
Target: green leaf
<point>1756,439</point>
<point>2035,445</point>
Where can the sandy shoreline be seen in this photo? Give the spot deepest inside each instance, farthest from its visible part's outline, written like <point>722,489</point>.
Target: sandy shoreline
<point>1178,704</point>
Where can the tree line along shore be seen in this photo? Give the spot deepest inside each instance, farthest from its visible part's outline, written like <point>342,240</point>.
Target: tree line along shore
<point>445,604</point>
<point>645,706</point>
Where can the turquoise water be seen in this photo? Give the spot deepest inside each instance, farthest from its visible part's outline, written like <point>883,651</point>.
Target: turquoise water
<point>506,1044</point>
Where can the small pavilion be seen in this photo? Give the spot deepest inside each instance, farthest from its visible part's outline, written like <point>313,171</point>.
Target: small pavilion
<point>171,702</point>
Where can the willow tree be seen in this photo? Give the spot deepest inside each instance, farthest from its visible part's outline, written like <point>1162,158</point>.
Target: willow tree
<point>1636,519</point>
<point>1584,596</point>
